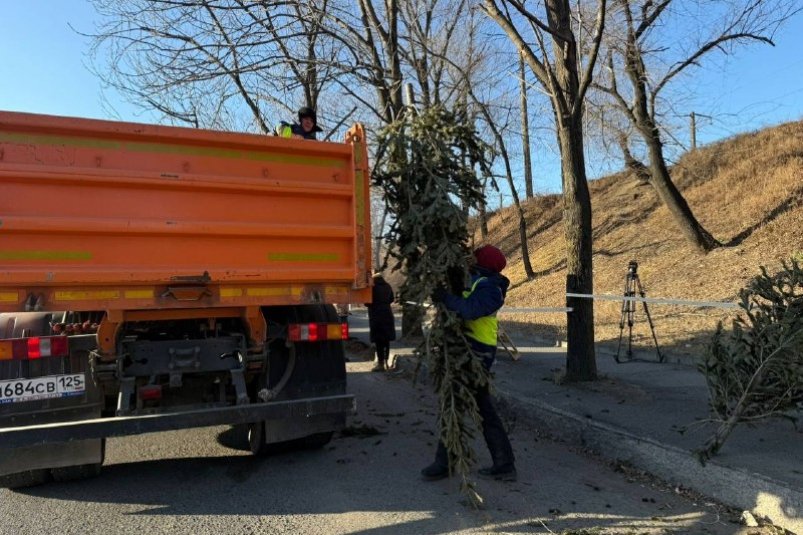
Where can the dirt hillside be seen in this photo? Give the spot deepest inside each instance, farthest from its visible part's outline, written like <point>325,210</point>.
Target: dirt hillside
<point>747,191</point>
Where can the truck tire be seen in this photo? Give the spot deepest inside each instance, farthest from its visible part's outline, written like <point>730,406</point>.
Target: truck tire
<point>75,473</point>
<point>256,439</point>
<point>317,441</point>
<point>81,471</point>
<point>331,352</point>
<point>29,478</point>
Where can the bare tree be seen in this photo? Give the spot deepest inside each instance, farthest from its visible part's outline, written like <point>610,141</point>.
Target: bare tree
<point>637,39</point>
<point>473,68</point>
<point>234,63</point>
<point>525,130</point>
<point>502,149</point>
<point>560,75</point>
<point>209,63</point>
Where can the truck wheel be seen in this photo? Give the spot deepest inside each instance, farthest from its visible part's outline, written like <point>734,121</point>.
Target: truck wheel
<point>256,439</point>
<point>331,353</point>
<point>29,478</point>
<point>75,473</point>
<point>317,441</point>
<point>81,471</point>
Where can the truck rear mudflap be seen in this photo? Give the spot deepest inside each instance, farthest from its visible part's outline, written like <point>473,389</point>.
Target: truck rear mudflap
<point>52,433</point>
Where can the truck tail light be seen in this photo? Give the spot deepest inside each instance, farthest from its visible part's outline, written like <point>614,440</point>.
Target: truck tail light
<point>317,332</point>
<point>312,328</point>
<point>149,392</point>
<point>34,348</point>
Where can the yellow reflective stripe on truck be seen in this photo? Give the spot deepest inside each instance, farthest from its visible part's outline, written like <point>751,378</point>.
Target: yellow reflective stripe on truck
<point>85,295</point>
<point>359,195</point>
<point>264,292</point>
<point>228,292</point>
<point>9,297</point>
<point>166,148</point>
<point>45,255</point>
<point>138,294</point>
<point>31,139</point>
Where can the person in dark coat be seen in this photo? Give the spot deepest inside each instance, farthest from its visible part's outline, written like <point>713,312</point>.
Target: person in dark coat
<point>381,323</point>
<point>477,306</point>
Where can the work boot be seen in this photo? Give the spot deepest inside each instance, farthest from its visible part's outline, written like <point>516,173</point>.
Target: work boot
<point>379,366</point>
<point>499,473</point>
<point>434,472</point>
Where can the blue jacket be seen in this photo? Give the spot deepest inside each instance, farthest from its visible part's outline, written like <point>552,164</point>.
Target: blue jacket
<point>487,298</point>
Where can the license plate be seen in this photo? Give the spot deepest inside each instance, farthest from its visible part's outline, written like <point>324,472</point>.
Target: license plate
<point>52,386</point>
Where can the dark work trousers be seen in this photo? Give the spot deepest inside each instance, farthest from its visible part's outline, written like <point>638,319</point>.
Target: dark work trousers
<point>382,350</point>
<point>493,431</point>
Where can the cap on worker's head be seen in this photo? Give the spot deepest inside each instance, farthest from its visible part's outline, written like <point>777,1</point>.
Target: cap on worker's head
<point>307,112</point>
<point>491,258</point>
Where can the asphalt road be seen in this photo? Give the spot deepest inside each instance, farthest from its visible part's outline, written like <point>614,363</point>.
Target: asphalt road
<point>194,482</point>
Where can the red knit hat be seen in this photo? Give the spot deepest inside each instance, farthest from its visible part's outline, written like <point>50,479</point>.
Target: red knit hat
<point>489,257</point>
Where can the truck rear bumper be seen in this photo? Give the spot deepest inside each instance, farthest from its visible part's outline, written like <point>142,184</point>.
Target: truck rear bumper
<point>52,433</point>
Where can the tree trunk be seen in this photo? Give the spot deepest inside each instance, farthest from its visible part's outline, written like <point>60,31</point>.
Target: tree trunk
<point>525,247</point>
<point>483,217</point>
<point>561,79</point>
<point>581,362</point>
<point>635,166</point>
<point>674,200</point>
<point>525,132</point>
<point>661,181</point>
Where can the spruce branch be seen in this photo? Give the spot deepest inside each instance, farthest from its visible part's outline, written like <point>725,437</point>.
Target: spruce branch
<point>432,164</point>
<point>756,371</point>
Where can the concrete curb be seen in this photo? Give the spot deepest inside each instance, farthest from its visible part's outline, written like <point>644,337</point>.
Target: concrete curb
<point>739,488</point>
<point>759,494</point>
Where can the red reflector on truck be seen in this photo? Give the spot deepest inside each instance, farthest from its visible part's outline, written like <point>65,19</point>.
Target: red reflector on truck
<point>34,348</point>
<point>317,332</point>
<point>59,346</point>
<point>149,392</point>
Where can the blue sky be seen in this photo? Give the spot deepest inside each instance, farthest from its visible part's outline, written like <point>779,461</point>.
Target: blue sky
<point>43,68</point>
<point>44,71</point>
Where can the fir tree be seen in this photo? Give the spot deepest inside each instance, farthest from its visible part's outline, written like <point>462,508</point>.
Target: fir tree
<point>427,167</point>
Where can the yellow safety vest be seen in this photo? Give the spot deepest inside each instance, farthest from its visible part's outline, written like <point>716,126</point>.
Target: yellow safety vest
<point>284,130</point>
<point>482,329</point>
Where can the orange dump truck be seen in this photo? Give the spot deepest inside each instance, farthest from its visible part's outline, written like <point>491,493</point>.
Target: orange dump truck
<point>156,278</point>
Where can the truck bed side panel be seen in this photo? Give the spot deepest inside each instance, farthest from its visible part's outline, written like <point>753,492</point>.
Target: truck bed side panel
<point>118,211</point>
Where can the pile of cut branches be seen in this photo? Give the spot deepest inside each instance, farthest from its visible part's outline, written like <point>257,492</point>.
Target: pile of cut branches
<point>756,371</point>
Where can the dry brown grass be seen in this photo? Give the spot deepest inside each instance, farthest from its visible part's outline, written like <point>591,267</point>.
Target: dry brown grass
<point>747,191</point>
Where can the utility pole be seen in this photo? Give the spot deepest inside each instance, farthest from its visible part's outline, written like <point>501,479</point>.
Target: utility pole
<point>693,127</point>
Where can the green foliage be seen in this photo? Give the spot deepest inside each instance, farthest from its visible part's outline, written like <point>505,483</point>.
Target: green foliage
<point>756,371</point>
<point>427,166</point>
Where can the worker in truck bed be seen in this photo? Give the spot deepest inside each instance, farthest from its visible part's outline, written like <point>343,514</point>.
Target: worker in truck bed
<point>306,128</point>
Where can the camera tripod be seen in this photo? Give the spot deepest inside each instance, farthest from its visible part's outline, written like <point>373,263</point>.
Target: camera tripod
<point>633,284</point>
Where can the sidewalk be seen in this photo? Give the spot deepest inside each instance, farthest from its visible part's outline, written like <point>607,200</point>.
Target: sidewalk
<point>635,412</point>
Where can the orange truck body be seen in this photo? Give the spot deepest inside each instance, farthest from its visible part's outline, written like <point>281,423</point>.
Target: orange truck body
<point>201,268</point>
<point>98,215</point>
